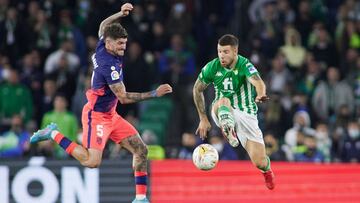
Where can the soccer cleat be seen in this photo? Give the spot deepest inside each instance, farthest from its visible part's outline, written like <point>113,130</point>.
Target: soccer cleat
<point>228,131</point>
<point>43,134</point>
<point>145,200</point>
<point>269,179</point>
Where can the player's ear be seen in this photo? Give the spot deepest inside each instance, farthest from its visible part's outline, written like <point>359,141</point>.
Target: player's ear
<point>235,50</point>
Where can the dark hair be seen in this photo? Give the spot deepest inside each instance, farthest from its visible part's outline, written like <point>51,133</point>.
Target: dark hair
<point>115,31</point>
<point>228,39</point>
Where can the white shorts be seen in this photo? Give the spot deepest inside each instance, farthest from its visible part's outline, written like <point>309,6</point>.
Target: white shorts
<point>247,126</point>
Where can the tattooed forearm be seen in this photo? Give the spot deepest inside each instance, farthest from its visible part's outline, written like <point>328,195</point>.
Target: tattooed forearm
<point>128,97</point>
<point>136,97</point>
<point>199,99</point>
<point>258,83</point>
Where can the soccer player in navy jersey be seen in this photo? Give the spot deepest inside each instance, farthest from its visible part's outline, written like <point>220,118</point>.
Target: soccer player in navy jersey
<point>99,118</point>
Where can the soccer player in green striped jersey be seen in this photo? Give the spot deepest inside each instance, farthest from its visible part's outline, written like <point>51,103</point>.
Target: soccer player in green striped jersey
<point>238,87</point>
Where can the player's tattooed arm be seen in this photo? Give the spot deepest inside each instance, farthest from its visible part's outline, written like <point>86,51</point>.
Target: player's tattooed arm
<point>132,97</point>
<point>199,100</point>
<point>260,88</point>
<point>125,9</point>
<point>129,97</point>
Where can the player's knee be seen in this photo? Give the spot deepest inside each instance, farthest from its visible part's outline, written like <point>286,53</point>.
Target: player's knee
<point>224,101</point>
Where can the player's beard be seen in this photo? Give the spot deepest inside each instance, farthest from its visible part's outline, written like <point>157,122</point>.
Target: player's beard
<point>227,65</point>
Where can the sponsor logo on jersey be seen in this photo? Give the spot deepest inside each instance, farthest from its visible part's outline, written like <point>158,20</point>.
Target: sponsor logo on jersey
<point>218,74</point>
<point>115,75</point>
<point>251,68</point>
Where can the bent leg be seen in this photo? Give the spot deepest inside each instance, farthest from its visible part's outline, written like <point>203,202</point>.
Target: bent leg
<point>257,155</point>
<point>259,158</point>
<point>139,150</point>
<point>224,118</point>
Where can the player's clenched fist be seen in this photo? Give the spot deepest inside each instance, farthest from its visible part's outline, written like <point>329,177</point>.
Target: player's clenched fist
<point>163,89</point>
<point>126,8</point>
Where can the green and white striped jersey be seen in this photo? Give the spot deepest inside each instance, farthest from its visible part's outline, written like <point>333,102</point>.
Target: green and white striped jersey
<point>232,84</point>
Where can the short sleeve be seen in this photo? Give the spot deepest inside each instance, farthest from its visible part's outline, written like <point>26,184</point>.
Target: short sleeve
<point>206,76</point>
<point>112,74</point>
<point>249,69</point>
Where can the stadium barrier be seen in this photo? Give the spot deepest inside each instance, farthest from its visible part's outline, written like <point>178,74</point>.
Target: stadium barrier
<point>38,180</point>
<point>179,181</point>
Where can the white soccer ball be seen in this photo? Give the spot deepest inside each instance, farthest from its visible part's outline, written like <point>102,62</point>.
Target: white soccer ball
<point>205,157</point>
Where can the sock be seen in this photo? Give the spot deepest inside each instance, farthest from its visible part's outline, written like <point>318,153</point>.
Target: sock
<point>64,142</point>
<point>141,184</point>
<point>224,113</point>
<point>267,167</point>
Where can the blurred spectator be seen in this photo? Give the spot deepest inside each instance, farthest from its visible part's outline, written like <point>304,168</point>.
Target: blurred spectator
<point>311,153</point>
<point>350,147</point>
<point>276,118</point>
<point>268,29</point>
<point>15,98</point>
<point>13,35</point>
<point>279,77</point>
<point>323,48</point>
<point>301,123</point>
<point>42,33</point>
<point>226,152</point>
<point>65,120</point>
<point>79,99</point>
<point>179,20</point>
<point>293,51</point>
<point>136,69</point>
<point>68,31</point>
<point>273,149</point>
<point>65,50</point>
<point>47,99</point>
<point>329,96</point>
<point>63,76</point>
<point>323,141</point>
<point>160,39</point>
<point>15,142</point>
<point>188,145</point>
<point>155,151</point>
<point>304,20</point>
<point>308,80</point>
<point>285,12</point>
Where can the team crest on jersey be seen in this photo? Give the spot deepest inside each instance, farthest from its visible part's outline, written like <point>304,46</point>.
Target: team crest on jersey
<point>112,68</point>
<point>115,75</point>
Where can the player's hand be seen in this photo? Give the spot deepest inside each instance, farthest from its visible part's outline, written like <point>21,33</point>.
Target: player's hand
<point>261,98</point>
<point>126,8</point>
<point>163,89</point>
<point>203,128</point>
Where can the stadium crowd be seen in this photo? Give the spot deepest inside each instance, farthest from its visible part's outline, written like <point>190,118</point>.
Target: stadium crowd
<point>308,53</point>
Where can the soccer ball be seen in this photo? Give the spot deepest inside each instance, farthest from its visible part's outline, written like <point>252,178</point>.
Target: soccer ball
<point>205,157</point>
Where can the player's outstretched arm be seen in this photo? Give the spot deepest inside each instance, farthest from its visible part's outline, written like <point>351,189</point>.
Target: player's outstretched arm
<point>132,97</point>
<point>125,10</point>
<point>198,94</point>
<point>260,88</point>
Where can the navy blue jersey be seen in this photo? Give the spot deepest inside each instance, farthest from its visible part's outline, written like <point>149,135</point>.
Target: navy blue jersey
<point>107,71</point>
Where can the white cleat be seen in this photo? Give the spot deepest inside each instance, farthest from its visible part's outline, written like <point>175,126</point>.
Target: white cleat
<point>228,131</point>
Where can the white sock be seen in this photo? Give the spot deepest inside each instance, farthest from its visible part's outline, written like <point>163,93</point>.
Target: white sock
<point>54,133</point>
<point>140,197</point>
